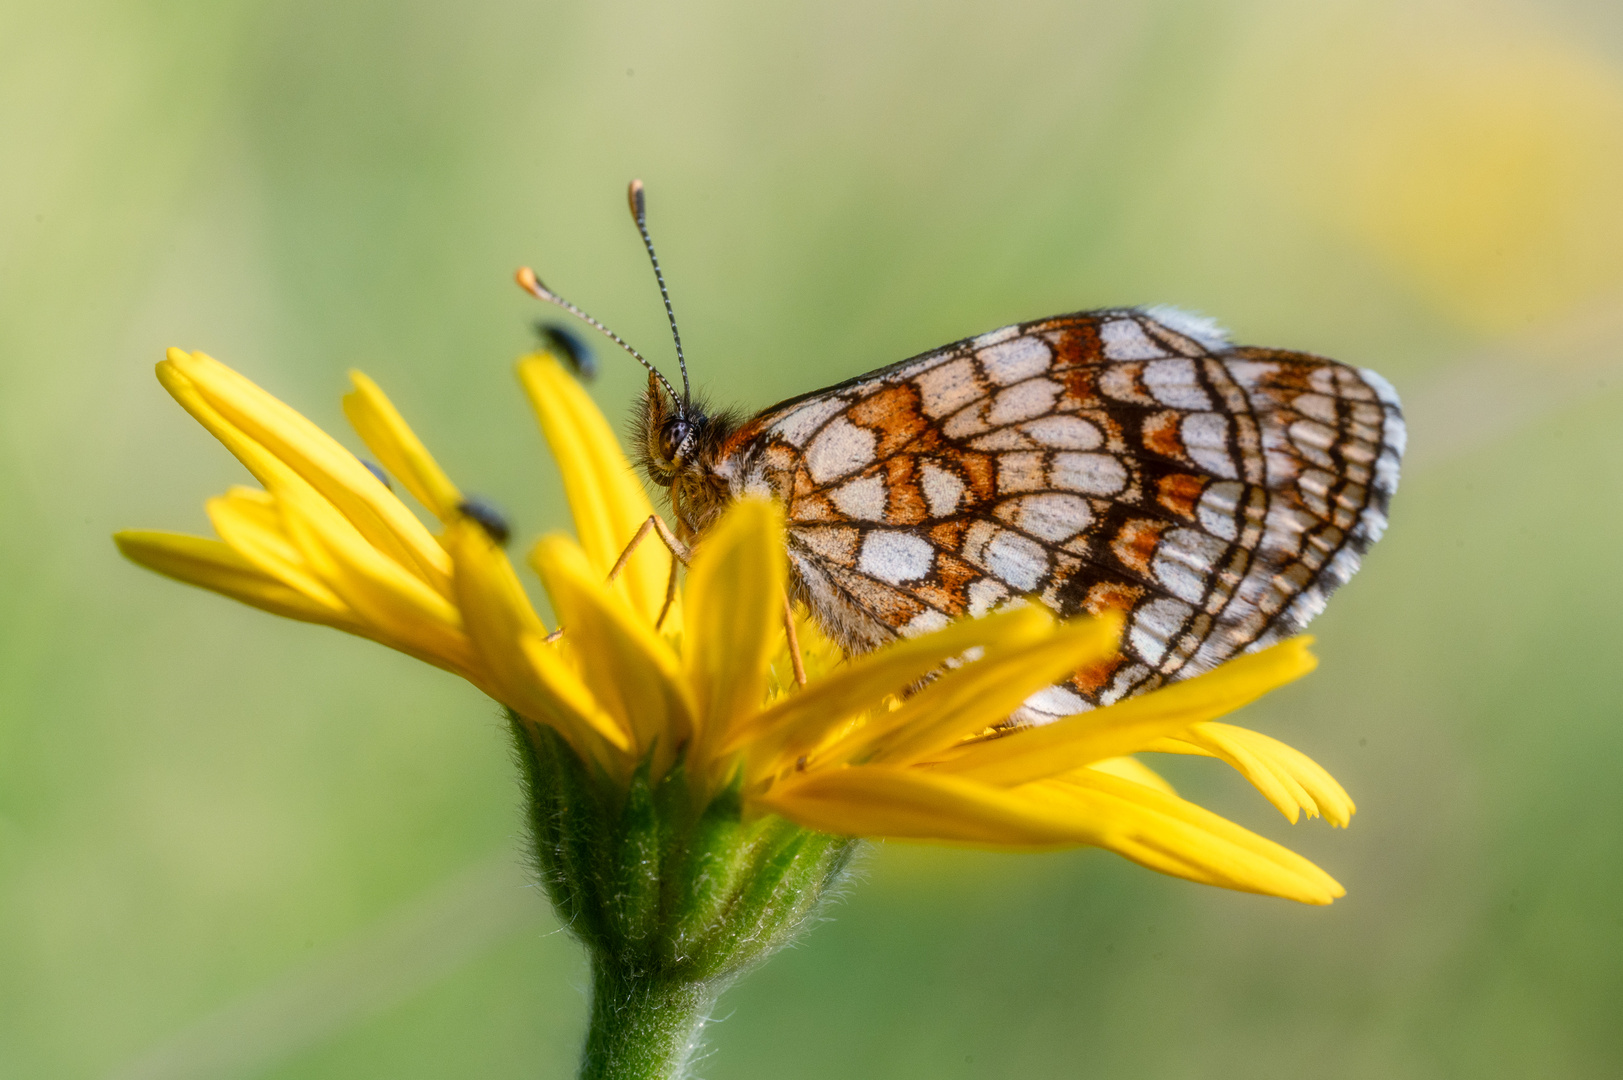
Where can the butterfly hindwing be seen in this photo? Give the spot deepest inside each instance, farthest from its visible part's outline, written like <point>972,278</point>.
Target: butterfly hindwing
<point>1117,460</point>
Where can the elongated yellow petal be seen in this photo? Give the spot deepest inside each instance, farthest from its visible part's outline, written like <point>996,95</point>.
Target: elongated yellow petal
<point>976,696</point>
<point>737,587</point>
<point>525,673</point>
<point>400,605</point>
<point>386,434</point>
<point>801,721</point>
<point>630,668</point>
<point>1132,819</point>
<point>213,565</point>
<point>495,613</point>
<point>911,804</point>
<point>1177,837</point>
<point>1131,725</point>
<point>321,461</point>
<point>266,467</point>
<point>251,523</point>
<point>605,497</point>
<point>1130,768</point>
<point>1288,778</point>
<point>576,709</point>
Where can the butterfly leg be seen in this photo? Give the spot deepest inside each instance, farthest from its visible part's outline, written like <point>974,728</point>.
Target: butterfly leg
<point>680,554</point>
<point>794,641</point>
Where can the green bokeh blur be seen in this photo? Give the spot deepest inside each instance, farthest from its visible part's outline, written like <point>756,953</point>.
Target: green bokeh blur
<point>232,846</point>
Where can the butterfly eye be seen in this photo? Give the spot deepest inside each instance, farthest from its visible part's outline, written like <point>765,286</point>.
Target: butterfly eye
<point>672,436</point>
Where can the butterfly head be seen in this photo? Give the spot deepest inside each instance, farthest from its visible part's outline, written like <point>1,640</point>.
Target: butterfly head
<point>666,433</point>
<point>678,442</point>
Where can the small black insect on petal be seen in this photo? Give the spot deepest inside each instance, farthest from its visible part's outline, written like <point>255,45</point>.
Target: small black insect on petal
<point>569,345</point>
<point>487,517</point>
<point>377,470</point>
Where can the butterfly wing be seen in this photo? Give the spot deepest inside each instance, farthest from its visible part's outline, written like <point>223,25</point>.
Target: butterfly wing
<point>1123,460</point>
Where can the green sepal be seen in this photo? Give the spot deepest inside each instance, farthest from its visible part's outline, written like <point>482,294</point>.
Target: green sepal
<point>673,896</point>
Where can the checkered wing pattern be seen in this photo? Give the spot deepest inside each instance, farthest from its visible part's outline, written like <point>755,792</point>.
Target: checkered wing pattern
<point>1126,460</point>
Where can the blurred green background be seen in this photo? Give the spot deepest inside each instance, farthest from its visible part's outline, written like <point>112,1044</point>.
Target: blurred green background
<point>232,846</point>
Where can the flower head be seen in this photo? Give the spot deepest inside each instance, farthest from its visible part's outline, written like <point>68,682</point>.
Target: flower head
<point>904,742</point>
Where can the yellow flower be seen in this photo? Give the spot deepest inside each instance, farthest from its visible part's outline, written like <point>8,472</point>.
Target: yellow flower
<point>897,743</point>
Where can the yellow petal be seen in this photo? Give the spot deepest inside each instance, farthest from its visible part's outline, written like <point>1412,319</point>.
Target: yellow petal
<point>251,523</point>
<point>605,497</point>
<point>735,592</point>
<point>1131,725</point>
<point>1150,827</point>
<point>1289,779</point>
<point>400,606</point>
<point>802,720</point>
<point>266,467</point>
<point>1177,837</point>
<point>397,447</point>
<point>320,460</point>
<point>972,698</point>
<point>214,565</point>
<point>1130,768</point>
<point>574,708</point>
<point>631,669</point>
<point>508,637</point>
<point>911,804</point>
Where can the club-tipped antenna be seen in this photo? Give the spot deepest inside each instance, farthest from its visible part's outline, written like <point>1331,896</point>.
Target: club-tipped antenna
<point>532,285</point>
<point>639,214</point>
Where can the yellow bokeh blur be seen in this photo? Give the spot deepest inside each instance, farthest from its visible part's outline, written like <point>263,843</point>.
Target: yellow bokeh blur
<point>1487,174</point>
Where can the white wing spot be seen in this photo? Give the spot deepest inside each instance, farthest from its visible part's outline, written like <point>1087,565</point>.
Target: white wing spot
<point>798,426</point>
<point>1154,624</point>
<point>1174,383</point>
<point>1251,373</point>
<point>1124,339</point>
<point>942,489</point>
<point>895,556</point>
<point>1023,401</point>
<point>983,595</point>
<point>838,449</point>
<point>1185,560</point>
<point>1053,702</point>
<point>862,499</point>
<point>1064,432</point>
<point>1019,472</point>
<point>1217,506</point>
<point>1319,407</point>
<point>1311,433</point>
<point>1051,515</point>
<point>992,337</point>
<point>1018,560</point>
<point>1006,438</point>
<point>1011,361</point>
<point>1090,474</point>
<point>925,622</point>
<point>947,388</point>
<point>1206,437</point>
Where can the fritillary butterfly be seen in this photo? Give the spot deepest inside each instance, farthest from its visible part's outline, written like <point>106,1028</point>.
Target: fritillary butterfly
<point>1125,460</point>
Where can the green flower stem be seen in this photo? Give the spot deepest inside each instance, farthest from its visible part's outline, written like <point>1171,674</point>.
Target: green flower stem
<point>672,892</point>
<point>643,1028</point>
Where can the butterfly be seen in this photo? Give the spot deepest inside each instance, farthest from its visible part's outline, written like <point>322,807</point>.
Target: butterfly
<point>1127,460</point>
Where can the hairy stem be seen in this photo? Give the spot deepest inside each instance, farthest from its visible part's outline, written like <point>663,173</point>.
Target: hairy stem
<point>643,1027</point>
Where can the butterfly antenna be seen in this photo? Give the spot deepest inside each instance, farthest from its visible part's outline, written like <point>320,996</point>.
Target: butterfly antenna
<point>532,285</point>
<point>639,214</point>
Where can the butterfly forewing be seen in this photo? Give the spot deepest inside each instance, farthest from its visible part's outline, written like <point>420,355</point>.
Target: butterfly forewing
<point>1126,461</point>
